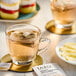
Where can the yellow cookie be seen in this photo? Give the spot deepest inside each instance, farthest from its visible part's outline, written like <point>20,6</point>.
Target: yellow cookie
<point>28,9</point>
<point>9,16</point>
<point>70,45</point>
<point>66,49</point>
<point>69,54</point>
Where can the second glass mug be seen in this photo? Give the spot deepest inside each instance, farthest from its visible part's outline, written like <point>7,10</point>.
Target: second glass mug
<point>64,12</point>
<point>23,41</point>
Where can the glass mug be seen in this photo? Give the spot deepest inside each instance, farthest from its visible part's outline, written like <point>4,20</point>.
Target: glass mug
<point>23,41</point>
<point>64,12</point>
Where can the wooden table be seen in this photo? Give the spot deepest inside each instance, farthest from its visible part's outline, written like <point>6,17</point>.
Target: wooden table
<point>48,56</point>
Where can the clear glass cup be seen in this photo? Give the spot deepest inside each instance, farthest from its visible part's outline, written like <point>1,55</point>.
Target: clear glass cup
<point>64,12</point>
<point>23,41</point>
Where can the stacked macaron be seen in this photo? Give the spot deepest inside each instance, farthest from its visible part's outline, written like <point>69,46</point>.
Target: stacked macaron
<point>27,6</point>
<point>9,9</point>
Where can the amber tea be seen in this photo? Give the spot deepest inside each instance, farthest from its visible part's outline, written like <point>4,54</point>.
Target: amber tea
<point>23,44</point>
<point>64,11</point>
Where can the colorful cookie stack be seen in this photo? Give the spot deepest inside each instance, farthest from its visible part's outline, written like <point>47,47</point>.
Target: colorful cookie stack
<point>27,6</point>
<point>10,9</point>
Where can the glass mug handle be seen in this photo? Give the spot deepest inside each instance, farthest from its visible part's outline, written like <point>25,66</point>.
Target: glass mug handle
<point>44,44</point>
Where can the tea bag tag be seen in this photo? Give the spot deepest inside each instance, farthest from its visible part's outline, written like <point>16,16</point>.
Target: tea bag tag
<point>5,66</point>
<point>48,70</point>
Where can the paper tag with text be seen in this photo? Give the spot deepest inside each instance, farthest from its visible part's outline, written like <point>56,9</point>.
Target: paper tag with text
<point>5,66</point>
<point>51,69</point>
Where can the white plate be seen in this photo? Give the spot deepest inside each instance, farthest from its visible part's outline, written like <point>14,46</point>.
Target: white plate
<point>60,45</point>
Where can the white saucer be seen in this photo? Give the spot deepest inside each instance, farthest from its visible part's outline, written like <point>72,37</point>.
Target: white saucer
<point>60,45</point>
